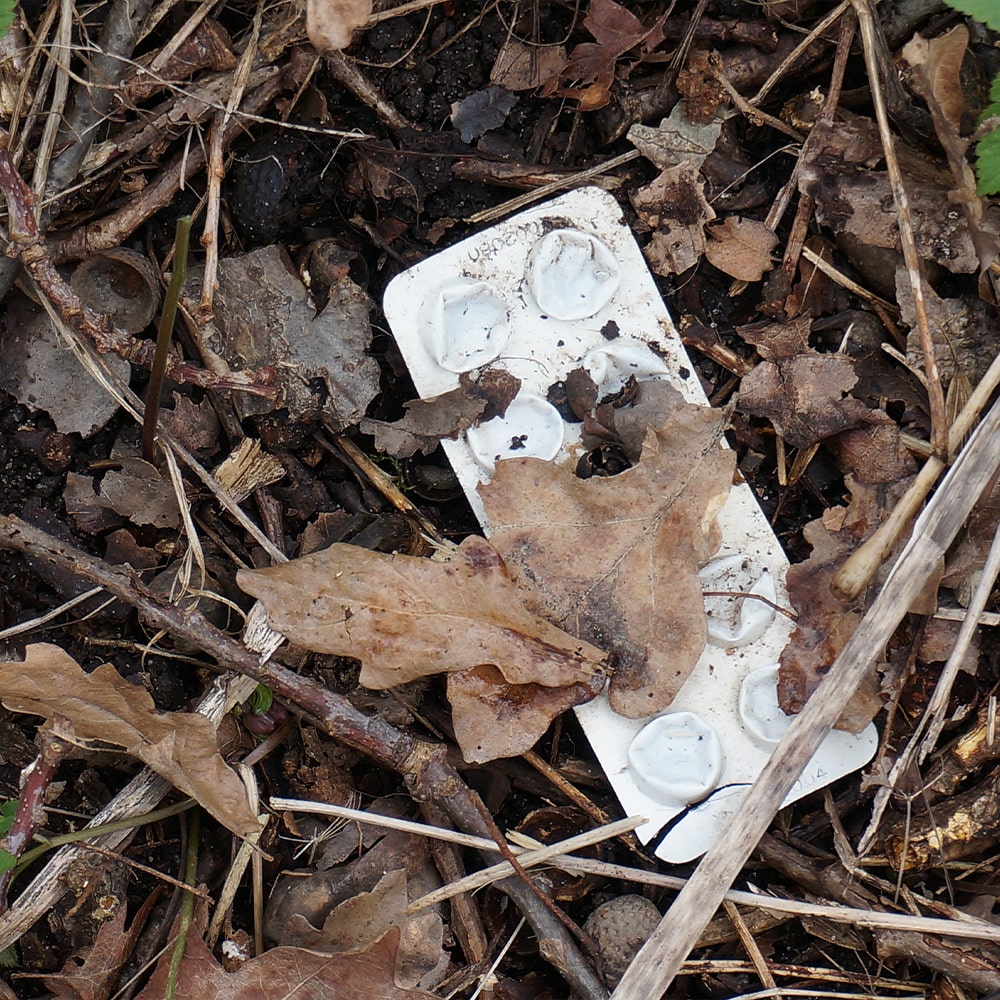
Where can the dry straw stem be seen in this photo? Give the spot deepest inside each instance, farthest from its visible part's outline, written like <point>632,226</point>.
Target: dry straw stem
<point>966,927</point>
<point>656,965</point>
<point>216,169</point>
<point>872,51</point>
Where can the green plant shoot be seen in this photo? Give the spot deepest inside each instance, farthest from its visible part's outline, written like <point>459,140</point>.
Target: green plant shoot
<point>988,147</point>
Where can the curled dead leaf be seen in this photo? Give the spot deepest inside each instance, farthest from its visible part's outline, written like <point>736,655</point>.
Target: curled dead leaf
<point>102,705</point>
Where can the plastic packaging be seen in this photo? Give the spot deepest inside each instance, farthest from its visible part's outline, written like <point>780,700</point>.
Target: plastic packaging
<point>557,287</point>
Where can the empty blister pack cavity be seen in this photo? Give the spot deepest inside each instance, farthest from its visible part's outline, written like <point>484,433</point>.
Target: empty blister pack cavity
<point>531,428</point>
<point>563,286</point>
<point>572,274</point>
<point>466,324</point>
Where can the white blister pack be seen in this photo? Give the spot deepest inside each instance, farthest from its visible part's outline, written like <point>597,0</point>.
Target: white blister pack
<point>565,285</point>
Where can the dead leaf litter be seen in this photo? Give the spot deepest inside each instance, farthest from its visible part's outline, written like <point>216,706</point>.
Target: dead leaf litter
<point>426,671</point>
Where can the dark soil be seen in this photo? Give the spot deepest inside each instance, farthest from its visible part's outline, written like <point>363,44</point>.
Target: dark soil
<point>385,203</point>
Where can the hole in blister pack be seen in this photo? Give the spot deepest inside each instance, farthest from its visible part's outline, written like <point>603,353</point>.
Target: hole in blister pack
<point>572,275</point>
<point>735,621</point>
<point>676,759</point>
<point>611,367</point>
<point>531,428</point>
<point>467,325</point>
<point>759,710</point>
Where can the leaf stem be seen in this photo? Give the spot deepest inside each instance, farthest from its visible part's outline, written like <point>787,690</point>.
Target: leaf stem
<point>97,831</point>
<point>187,907</point>
<point>164,333</point>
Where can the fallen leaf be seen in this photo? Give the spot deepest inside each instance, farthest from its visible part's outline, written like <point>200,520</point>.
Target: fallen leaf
<point>615,560</point>
<point>331,23</point>
<point>860,204</point>
<point>285,973</point>
<point>101,705</point>
<point>807,397</point>
<point>429,420</point>
<point>778,340</point>
<point>136,490</point>
<point>824,622</point>
<point>195,425</point>
<point>405,617</point>
<point>940,60</point>
<point>520,66</point>
<point>264,316</point>
<point>342,905</point>
<point>95,976</point>
<point>493,718</point>
<point>482,111</point>
<point>965,335</point>
<point>590,69</point>
<point>367,916</point>
<point>39,372</point>
<point>741,248</point>
<point>675,140</point>
<point>121,547</point>
<point>89,511</point>
<point>673,205</point>
<point>698,83</point>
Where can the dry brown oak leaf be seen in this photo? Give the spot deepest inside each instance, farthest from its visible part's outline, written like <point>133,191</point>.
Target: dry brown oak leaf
<point>406,617</point>
<point>102,705</point>
<point>615,560</point>
<point>286,974</point>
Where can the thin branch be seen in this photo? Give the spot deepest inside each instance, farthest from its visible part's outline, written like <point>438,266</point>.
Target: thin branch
<point>107,338</point>
<point>935,393</point>
<point>659,960</point>
<point>423,766</point>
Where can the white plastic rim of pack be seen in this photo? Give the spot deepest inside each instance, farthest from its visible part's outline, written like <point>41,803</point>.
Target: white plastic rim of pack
<point>564,285</point>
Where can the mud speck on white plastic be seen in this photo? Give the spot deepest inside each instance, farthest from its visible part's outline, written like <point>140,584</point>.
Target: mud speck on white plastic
<point>468,325</point>
<point>737,621</point>
<point>531,428</point>
<point>676,758</point>
<point>759,709</point>
<point>562,286</point>
<point>572,275</point>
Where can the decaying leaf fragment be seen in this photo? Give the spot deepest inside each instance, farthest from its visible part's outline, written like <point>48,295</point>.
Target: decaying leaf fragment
<point>179,746</point>
<point>615,561</point>
<point>806,397</point>
<point>674,206</point>
<point>405,617</point>
<point>288,973</point>
<point>426,421</point>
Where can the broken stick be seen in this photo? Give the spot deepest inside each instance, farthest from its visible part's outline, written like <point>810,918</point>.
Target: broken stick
<point>656,965</point>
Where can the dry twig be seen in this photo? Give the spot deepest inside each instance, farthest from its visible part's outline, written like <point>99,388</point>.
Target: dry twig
<point>26,239</point>
<point>660,959</point>
<point>423,766</point>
